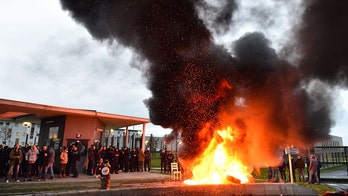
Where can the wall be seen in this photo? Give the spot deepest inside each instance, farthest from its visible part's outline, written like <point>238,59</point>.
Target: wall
<point>77,127</point>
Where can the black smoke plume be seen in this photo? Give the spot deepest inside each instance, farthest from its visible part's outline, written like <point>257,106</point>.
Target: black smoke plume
<point>198,85</point>
<point>323,39</point>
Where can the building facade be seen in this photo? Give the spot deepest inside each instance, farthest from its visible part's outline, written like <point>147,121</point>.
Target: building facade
<point>16,132</point>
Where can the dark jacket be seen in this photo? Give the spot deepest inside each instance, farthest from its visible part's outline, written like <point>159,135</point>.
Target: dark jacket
<point>300,163</point>
<point>74,156</point>
<point>13,157</point>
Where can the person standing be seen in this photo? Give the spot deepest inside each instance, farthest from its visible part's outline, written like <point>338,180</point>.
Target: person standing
<point>92,160</point>
<point>40,164</point>
<point>121,159</point>
<point>45,157</point>
<point>300,168</point>
<point>269,173</point>
<point>141,159</point>
<point>74,160</point>
<point>115,162</point>
<point>105,175</point>
<point>133,160</point>
<point>110,154</point>
<point>15,160</point>
<point>50,162</point>
<point>32,157</point>
<point>24,168</point>
<point>63,162</point>
<point>147,160</point>
<point>163,160</point>
<point>313,165</point>
<point>318,167</point>
<point>126,157</point>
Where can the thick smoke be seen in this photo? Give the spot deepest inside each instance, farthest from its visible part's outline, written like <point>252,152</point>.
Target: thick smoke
<point>198,86</point>
<point>323,44</point>
<point>219,17</point>
<point>323,40</point>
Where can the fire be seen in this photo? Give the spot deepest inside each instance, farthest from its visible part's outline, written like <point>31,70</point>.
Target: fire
<point>219,164</point>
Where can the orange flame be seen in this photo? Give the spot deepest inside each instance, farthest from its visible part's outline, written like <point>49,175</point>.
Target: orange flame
<point>219,162</point>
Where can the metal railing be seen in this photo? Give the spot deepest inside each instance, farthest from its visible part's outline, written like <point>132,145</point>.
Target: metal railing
<point>332,155</point>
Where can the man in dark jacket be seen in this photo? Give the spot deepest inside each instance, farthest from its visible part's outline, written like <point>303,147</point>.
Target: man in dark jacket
<point>45,161</point>
<point>133,160</point>
<point>40,165</point>
<point>126,157</point>
<point>74,160</point>
<point>163,160</point>
<point>110,153</point>
<point>25,164</point>
<point>300,168</point>
<point>15,160</point>
<point>114,167</point>
<point>92,160</point>
<point>147,160</point>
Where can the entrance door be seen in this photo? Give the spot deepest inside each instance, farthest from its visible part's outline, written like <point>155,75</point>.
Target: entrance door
<point>82,145</point>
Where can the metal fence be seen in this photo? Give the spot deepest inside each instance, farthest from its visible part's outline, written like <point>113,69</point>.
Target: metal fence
<point>332,155</point>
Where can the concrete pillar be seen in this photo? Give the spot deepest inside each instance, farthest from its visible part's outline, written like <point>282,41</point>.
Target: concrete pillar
<point>127,139</point>
<point>143,137</point>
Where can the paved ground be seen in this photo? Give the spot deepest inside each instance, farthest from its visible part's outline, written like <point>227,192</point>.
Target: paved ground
<point>86,182</point>
<point>121,176</point>
<point>137,183</point>
<point>121,180</point>
<point>335,174</point>
<point>338,179</point>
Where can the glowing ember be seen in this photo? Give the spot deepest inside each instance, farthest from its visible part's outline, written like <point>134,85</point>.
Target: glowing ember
<point>219,163</point>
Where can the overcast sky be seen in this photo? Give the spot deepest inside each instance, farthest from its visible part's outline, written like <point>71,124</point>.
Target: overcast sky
<point>48,58</point>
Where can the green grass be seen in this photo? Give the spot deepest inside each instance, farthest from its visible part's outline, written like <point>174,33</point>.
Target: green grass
<point>321,188</point>
<point>155,160</point>
<point>333,168</point>
<point>262,176</point>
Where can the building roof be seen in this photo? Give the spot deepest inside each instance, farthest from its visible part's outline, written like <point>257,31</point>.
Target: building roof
<point>14,110</point>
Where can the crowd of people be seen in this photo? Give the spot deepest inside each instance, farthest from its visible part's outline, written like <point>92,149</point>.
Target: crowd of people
<point>34,163</point>
<point>298,169</point>
<point>31,162</point>
<point>124,159</point>
<point>167,158</point>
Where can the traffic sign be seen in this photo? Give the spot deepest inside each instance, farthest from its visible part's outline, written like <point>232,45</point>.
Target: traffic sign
<point>292,151</point>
